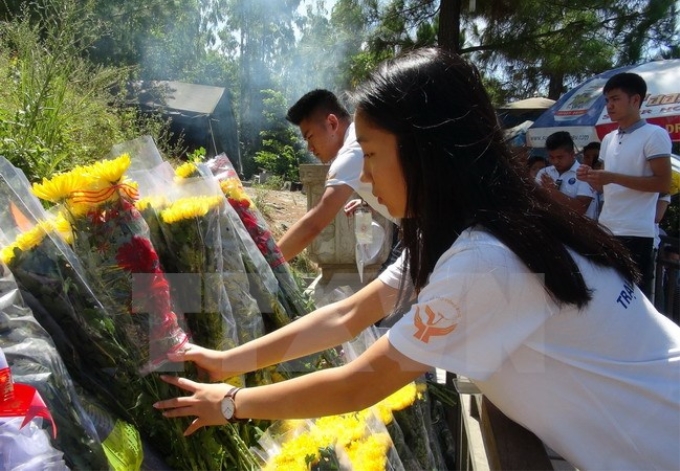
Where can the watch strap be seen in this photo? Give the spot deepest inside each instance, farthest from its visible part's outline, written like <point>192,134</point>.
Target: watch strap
<point>232,395</point>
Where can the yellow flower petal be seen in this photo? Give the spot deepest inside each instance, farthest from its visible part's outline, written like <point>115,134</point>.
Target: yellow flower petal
<point>110,171</point>
<point>29,239</point>
<point>61,186</point>
<point>402,398</point>
<point>7,254</point>
<point>188,208</point>
<point>232,188</point>
<point>156,203</point>
<point>186,170</point>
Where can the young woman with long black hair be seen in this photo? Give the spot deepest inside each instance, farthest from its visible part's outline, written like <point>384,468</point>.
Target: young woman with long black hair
<point>534,303</point>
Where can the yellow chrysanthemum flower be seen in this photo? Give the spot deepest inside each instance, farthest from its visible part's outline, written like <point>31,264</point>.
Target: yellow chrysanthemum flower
<point>153,202</point>
<point>188,208</point>
<point>61,186</point>
<point>7,253</point>
<point>341,429</point>
<point>402,398</point>
<point>110,171</point>
<point>370,454</point>
<point>186,170</point>
<point>32,237</point>
<point>237,381</point>
<point>675,182</point>
<point>383,412</point>
<point>77,210</point>
<point>27,240</point>
<point>60,223</point>
<point>63,228</point>
<point>232,188</point>
<point>293,453</point>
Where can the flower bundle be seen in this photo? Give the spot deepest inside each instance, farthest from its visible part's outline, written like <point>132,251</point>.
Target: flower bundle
<point>190,227</point>
<point>406,414</point>
<point>259,231</point>
<point>398,427</point>
<point>34,360</point>
<point>245,266</point>
<point>54,285</point>
<point>348,441</point>
<point>244,271</point>
<point>98,340</point>
<point>111,239</point>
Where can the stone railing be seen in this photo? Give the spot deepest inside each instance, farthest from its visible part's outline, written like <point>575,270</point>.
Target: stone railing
<point>334,248</point>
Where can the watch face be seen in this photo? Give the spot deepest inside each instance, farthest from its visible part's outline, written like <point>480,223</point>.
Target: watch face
<point>228,408</point>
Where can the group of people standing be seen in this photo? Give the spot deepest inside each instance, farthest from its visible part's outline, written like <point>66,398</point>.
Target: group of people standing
<point>499,283</point>
<point>631,184</point>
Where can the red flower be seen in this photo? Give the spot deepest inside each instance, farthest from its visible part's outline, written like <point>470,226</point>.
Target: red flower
<point>138,256</point>
<point>239,205</point>
<point>151,293</point>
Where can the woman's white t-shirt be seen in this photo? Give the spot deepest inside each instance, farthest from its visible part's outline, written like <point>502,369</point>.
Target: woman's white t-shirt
<point>601,386</point>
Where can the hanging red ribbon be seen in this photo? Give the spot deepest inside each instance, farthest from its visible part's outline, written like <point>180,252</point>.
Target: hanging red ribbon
<point>22,400</point>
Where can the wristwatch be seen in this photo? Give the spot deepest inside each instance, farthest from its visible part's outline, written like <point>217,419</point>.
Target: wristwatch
<point>228,405</point>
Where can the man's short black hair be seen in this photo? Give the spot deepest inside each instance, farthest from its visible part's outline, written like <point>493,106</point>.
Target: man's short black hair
<point>560,140</point>
<point>313,102</point>
<point>629,83</point>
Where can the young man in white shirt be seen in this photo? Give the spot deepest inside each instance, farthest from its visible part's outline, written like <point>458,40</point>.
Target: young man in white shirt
<point>327,127</point>
<point>637,168</point>
<point>559,179</point>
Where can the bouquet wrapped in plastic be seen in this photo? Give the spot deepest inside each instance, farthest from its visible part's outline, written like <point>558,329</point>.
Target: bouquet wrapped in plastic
<point>245,266</point>
<point>34,361</point>
<point>394,434</point>
<point>53,283</point>
<point>406,414</point>
<point>230,183</point>
<point>246,278</point>
<point>111,239</point>
<point>98,340</point>
<point>355,441</point>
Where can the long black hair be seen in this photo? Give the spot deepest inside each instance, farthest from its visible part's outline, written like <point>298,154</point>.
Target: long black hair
<point>459,173</point>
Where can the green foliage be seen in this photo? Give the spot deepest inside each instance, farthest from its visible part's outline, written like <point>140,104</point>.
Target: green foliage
<point>259,36</point>
<point>545,47</point>
<point>533,46</point>
<point>55,107</point>
<point>197,155</point>
<point>275,182</point>
<point>281,152</point>
<point>282,160</point>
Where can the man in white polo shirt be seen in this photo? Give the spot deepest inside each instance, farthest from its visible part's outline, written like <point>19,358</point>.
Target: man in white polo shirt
<point>636,169</point>
<point>327,127</point>
<point>559,179</point>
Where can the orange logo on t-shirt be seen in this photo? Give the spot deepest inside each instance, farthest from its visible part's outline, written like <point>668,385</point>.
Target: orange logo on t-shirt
<point>428,328</point>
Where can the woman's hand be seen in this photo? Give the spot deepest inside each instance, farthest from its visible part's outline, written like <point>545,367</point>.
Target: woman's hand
<point>204,403</point>
<point>210,363</point>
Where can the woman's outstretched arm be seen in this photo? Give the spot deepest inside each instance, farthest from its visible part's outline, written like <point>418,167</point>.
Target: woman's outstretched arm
<point>374,375</point>
<point>327,327</point>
